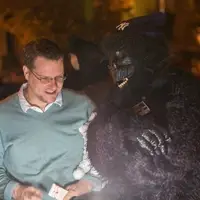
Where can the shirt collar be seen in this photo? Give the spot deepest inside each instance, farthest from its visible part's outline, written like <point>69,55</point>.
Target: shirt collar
<point>25,105</point>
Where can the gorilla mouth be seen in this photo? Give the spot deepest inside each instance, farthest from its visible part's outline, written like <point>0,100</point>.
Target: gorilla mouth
<point>121,68</point>
<point>123,83</point>
<point>121,74</point>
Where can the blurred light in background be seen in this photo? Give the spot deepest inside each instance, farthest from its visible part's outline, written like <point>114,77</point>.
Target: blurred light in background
<point>162,5</point>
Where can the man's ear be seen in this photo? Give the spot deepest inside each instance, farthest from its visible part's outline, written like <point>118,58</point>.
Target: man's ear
<point>26,71</point>
<point>74,61</point>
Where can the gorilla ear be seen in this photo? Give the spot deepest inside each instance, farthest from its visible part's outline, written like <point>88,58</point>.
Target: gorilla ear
<point>119,54</point>
<point>74,61</point>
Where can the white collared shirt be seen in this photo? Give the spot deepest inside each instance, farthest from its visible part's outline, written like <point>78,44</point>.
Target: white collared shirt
<point>25,105</point>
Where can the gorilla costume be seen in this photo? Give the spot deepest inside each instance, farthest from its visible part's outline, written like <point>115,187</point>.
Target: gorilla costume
<point>91,74</point>
<point>156,102</point>
<point>90,59</point>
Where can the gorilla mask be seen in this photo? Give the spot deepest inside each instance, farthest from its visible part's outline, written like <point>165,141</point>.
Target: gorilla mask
<point>139,48</point>
<point>121,68</point>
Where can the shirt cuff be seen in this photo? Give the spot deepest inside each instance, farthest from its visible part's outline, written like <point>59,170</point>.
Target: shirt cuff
<point>9,190</point>
<point>96,182</point>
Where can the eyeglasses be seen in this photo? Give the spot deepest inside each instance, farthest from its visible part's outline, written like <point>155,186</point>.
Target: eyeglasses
<point>46,79</point>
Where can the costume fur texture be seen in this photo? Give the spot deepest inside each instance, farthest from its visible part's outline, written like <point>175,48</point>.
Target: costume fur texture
<point>173,98</point>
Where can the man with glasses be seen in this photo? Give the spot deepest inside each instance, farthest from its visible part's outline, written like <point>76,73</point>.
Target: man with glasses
<point>40,142</point>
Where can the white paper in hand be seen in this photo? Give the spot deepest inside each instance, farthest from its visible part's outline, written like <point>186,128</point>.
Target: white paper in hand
<point>57,192</point>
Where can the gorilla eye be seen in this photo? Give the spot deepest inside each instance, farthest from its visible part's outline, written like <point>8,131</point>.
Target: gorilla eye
<point>126,61</point>
<point>117,53</point>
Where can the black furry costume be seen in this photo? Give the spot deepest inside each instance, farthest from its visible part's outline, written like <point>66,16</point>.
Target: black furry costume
<point>90,59</point>
<point>140,53</point>
<point>93,74</point>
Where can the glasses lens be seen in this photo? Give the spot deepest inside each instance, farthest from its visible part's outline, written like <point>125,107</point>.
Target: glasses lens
<point>60,79</point>
<point>45,80</point>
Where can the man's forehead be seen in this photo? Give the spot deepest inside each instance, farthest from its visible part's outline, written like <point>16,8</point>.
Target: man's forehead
<point>46,65</point>
<point>42,61</point>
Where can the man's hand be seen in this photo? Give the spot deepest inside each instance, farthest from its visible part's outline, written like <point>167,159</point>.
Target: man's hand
<point>22,192</point>
<point>77,189</point>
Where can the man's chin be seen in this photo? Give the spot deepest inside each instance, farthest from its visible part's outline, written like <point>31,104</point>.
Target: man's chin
<point>50,100</point>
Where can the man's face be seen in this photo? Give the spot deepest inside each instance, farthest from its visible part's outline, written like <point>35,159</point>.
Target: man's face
<point>44,80</point>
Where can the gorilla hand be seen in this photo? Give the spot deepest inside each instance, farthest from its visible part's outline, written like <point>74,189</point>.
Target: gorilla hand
<point>155,140</point>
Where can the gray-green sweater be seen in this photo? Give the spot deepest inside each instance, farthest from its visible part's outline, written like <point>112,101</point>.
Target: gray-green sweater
<point>38,147</point>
